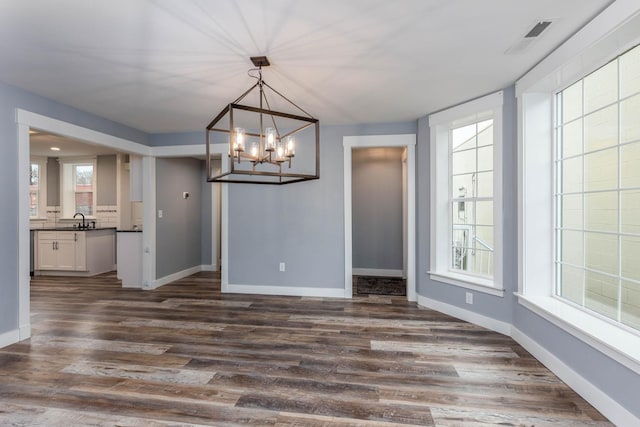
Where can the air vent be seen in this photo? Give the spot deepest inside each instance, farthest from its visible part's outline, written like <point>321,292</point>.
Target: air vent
<point>537,29</point>
<point>525,42</point>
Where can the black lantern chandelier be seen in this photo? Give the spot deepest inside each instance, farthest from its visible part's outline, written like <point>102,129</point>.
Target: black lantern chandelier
<point>266,146</point>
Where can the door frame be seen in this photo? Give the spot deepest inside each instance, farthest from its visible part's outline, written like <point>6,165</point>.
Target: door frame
<point>407,141</point>
<point>26,120</point>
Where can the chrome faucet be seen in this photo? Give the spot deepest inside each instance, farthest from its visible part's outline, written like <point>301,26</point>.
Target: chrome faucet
<point>83,223</point>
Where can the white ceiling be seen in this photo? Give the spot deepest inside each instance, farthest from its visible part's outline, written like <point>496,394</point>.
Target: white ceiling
<point>166,65</point>
<point>40,144</point>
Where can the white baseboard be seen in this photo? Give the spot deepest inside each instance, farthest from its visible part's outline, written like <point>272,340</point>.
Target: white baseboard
<point>467,315</point>
<point>379,272</point>
<point>298,291</point>
<point>24,332</point>
<point>210,267</point>
<point>9,338</point>
<point>173,277</point>
<point>611,409</point>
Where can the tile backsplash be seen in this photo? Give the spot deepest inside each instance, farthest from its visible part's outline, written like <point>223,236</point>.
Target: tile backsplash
<point>106,216</point>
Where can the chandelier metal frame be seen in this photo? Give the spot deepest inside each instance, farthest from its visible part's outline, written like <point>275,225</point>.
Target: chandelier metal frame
<point>275,143</point>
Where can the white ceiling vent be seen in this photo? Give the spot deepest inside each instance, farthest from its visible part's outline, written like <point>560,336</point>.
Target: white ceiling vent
<point>532,35</point>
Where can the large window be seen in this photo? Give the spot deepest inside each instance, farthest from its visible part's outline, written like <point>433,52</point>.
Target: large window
<point>471,194</point>
<point>597,200</point>
<point>34,190</point>
<point>466,204</point>
<point>78,187</point>
<point>37,187</point>
<point>579,186</point>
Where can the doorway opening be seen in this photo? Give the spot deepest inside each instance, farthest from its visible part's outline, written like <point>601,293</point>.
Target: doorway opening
<point>393,249</point>
<point>378,219</point>
<point>27,122</point>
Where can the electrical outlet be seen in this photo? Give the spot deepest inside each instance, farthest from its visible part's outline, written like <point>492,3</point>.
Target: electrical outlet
<point>160,213</point>
<point>282,266</point>
<point>185,194</point>
<point>468,298</point>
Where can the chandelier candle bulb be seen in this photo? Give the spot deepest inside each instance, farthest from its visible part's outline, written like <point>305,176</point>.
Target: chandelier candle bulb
<point>238,142</point>
<point>270,143</point>
<point>290,147</point>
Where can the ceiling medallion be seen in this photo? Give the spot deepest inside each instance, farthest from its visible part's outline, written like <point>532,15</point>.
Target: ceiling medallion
<point>271,139</point>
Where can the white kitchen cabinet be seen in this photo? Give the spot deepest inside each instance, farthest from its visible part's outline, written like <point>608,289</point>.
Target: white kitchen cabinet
<point>129,249</point>
<point>60,250</point>
<point>77,253</point>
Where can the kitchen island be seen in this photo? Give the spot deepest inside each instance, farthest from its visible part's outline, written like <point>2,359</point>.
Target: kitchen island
<point>70,251</point>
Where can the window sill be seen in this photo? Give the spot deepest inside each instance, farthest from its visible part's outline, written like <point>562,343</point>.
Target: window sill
<point>621,345</point>
<point>468,282</point>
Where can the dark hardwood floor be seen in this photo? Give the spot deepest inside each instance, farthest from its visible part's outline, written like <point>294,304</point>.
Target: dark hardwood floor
<point>185,354</point>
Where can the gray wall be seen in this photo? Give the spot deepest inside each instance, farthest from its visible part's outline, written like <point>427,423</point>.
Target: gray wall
<point>106,174</point>
<point>300,224</point>
<point>178,232</point>
<point>53,182</point>
<point>10,99</point>
<point>377,208</point>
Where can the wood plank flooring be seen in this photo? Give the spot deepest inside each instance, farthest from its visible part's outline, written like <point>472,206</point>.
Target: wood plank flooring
<point>185,354</point>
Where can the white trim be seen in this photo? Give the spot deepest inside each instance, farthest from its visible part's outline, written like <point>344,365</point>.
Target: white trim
<point>183,150</point>
<point>25,331</point>
<point>174,276</point>
<point>379,272</point>
<point>25,120</point>
<point>148,222</point>
<point>87,135</point>
<point>223,150</point>
<point>299,291</point>
<point>468,282</point>
<point>467,110</point>
<point>611,340</point>
<point>9,338</point>
<point>210,267</point>
<point>24,245</point>
<point>486,107</point>
<point>614,30</point>
<point>348,223</point>
<point>592,394</point>
<point>402,140</point>
<point>466,315</point>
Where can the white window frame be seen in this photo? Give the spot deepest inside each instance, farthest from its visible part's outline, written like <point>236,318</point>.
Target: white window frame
<point>613,32</point>
<point>67,207</point>
<point>42,186</point>
<point>441,124</point>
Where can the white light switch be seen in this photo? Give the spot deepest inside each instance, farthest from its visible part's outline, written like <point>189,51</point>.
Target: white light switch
<point>159,213</point>
<point>282,266</point>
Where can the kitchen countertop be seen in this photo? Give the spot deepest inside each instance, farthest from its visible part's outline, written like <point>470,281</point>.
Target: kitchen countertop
<point>72,229</point>
<point>130,231</point>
